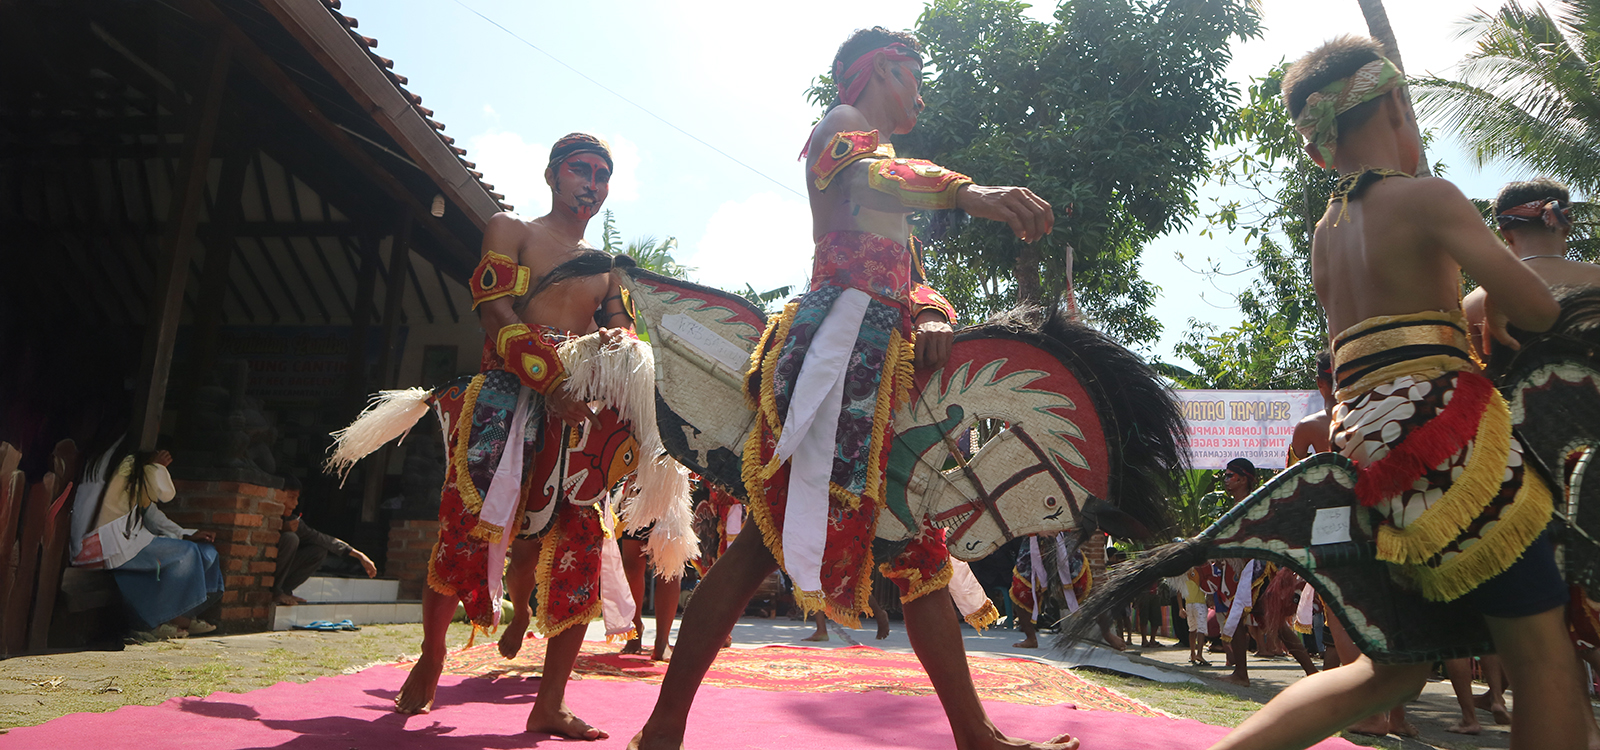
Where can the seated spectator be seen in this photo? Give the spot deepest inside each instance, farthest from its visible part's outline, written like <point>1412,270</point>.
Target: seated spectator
<point>167,574</point>
<point>301,549</point>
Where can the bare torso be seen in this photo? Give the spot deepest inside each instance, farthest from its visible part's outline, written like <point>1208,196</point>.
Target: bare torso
<point>1376,261</point>
<point>568,306</point>
<point>849,204</point>
<point>1311,434</point>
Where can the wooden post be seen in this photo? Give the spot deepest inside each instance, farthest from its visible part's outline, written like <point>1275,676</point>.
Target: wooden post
<point>394,290</point>
<point>172,270</point>
<point>361,321</point>
<point>220,246</point>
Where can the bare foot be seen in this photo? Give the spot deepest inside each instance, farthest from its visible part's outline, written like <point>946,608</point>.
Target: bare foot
<point>816,637</point>
<point>640,742</point>
<point>661,653</point>
<point>633,646</point>
<point>1462,727</point>
<point>1026,643</point>
<point>1404,728</point>
<point>287,600</point>
<point>728,642</point>
<point>1063,742</point>
<point>563,723</point>
<point>1376,725</point>
<point>511,640</point>
<point>1234,679</point>
<point>883,631</point>
<point>416,695</point>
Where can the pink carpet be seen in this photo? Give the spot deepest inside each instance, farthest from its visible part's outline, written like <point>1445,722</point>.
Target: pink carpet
<point>353,711</point>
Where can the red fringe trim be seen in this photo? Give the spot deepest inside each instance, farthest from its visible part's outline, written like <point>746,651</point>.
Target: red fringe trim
<point>1428,445</point>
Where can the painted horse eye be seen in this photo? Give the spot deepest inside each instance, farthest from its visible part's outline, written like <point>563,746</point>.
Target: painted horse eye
<point>1050,502</point>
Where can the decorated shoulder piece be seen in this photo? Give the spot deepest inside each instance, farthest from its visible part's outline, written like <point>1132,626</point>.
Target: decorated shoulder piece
<point>498,276</point>
<point>845,149</point>
<point>917,183</point>
<point>532,359</point>
<point>924,297</point>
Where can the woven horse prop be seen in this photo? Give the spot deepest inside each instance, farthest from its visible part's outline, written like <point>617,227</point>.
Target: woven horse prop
<point>1091,437</point>
<point>1309,520</point>
<point>1553,387</point>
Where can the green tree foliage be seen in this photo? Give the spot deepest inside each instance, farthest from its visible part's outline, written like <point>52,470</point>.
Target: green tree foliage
<point>1527,92</point>
<point>1106,111</point>
<point>651,254</point>
<point>1283,194</point>
<point>769,300</point>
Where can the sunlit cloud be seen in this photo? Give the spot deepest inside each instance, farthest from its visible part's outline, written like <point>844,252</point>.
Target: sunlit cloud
<point>763,241</point>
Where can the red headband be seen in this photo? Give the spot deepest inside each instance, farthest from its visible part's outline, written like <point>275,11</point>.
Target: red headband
<point>852,81</point>
<point>1551,211</point>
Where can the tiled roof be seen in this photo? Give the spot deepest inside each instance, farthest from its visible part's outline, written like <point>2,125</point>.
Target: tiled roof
<point>400,81</point>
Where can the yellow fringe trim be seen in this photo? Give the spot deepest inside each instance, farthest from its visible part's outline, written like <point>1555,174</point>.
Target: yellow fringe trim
<point>1468,495</point>
<point>916,586</point>
<point>762,361</point>
<point>486,531</point>
<point>470,499</point>
<point>756,505</point>
<point>623,637</point>
<point>542,575</point>
<point>893,388</point>
<point>984,617</point>
<point>1528,515</point>
<point>434,581</point>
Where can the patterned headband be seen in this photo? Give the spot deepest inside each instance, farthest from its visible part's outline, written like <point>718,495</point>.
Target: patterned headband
<point>1552,212</point>
<point>579,143</point>
<point>853,80</point>
<point>1319,120</point>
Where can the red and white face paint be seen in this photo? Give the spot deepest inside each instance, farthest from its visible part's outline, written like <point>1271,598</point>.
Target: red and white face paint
<point>581,183</point>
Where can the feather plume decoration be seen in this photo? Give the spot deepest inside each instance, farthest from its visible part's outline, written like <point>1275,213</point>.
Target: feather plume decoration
<point>389,415</point>
<point>622,375</point>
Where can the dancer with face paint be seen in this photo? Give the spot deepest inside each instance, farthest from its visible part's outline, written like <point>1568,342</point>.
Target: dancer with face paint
<point>828,372</point>
<point>538,284</point>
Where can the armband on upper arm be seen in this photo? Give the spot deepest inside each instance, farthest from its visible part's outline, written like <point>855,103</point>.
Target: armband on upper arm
<point>924,297</point>
<point>845,149</point>
<point>917,183</point>
<point>498,276</point>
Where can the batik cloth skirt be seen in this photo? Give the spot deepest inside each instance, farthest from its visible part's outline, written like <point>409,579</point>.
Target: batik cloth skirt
<point>829,552</point>
<point>1432,442</point>
<point>496,489</point>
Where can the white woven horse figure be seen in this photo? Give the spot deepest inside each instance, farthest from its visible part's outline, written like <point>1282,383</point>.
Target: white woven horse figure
<point>1089,437</point>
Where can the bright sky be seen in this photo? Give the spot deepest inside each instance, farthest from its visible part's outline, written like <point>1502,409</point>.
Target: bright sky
<point>734,74</point>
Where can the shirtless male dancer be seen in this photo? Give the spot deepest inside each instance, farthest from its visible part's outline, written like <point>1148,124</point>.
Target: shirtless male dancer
<point>538,284</point>
<point>1535,219</point>
<point>1463,517</point>
<point>812,500</point>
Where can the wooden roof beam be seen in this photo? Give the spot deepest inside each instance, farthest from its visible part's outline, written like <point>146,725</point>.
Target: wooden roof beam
<point>273,77</point>
<point>330,42</point>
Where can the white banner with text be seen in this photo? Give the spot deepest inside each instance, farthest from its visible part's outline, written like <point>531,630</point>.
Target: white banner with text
<point>1224,425</point>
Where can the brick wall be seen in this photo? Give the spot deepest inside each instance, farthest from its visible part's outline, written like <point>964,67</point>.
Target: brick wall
<point>410,544</point>
<point>1095,550</point>
<point>246,519</point>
